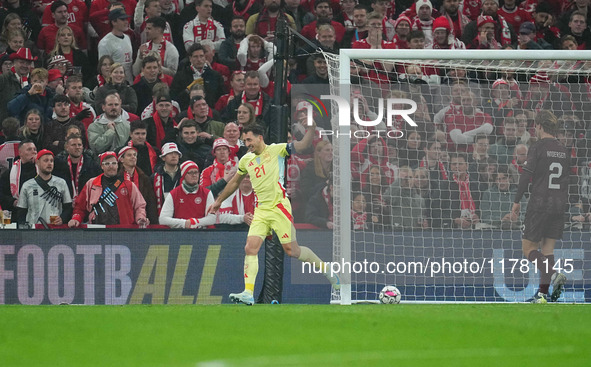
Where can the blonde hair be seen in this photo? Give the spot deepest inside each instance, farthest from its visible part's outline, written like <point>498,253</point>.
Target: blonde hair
<point>318,170</point>
<point>25,129</point>
<point>57,49</point>
<point>40,73</point>
<point>113,67</point>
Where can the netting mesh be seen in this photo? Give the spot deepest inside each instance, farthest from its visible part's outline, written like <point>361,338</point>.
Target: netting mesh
<point>431,204</point>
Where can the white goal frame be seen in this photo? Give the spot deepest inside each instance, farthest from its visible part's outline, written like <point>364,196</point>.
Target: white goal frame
<point>343,239</point>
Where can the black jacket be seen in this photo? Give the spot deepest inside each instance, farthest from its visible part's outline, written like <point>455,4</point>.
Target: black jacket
<point>28,171</point>
<point>227,53</point>
<point>143,92</point>
<point>90,169</point>
<point>198,152</point>
<point>170,132</point>
<point>212,82</point>
<point>446,202</point>
<point>317,210</point>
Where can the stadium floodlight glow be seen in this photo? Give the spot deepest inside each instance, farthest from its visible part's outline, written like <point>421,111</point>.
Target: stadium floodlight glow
<point>348,74</point>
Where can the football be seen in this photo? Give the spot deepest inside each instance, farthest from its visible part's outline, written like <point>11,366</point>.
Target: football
<point>390,295</point>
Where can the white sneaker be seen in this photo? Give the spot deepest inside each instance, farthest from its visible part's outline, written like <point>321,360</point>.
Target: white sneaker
<point>244,297</point>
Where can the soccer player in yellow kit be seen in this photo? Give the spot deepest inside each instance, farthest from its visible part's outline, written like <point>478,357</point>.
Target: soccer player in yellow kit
<point>265,164</point>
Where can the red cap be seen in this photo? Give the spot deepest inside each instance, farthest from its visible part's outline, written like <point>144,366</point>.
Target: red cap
<point>105,155</point>
<point>43,152</point>
<point>220,142</point>
<point>499,82</point>
<point>186,167</point>
<point>441,22</point>
<point>402,18</point>
<point>123,150</point>
<point>54,74</point>
<point>483,19</point>
<point>23,54</point>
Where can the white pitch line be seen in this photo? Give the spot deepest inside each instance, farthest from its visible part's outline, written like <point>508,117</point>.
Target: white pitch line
<point>369,356</point>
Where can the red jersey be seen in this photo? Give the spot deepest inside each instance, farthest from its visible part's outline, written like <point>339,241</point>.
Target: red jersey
<point>99,15</point>
<point>242,204</point>
<point>515,17</point>
<point>77,14</point>
<point>46,38</point>
<point>189,205</point>
<point>471,8</point>
<point>76,109</point>
<point>224,72</point>
<point>464,123</point>
<point>223,101</point>
<point>373,74</point>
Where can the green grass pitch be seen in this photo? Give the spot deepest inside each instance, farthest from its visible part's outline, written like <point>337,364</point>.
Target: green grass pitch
<point>296,335</point>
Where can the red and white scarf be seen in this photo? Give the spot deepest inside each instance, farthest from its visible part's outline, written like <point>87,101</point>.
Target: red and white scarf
<point>419,24</point>
<point>75,175</point>
<point>505,32</point>
<point>160,128</point>
<point>161,49</point>
<point>159,191</point>
<point>204,31</point>
<point>359,220</point>
<point>466,201</point>
<point>135,178</point>
<point>348,21</point>
<point>257,104</point>
<point>514,87</point>
<point>15,178</point>
<point>101,80</point>
<point>243,203</point>
<point>217,173</point>
<point>23,80</point>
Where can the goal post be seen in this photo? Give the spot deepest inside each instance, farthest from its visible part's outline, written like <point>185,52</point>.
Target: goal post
<point>489,251</point>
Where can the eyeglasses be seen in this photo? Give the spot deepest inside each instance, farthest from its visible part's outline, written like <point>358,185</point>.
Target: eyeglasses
<point>375,25</point>
<point>107,164</point>
<point>193,173</point>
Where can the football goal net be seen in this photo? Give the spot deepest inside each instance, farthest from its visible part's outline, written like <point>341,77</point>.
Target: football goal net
<point>428,149</point>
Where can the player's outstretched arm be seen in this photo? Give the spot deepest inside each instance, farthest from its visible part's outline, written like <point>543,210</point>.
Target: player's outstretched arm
<point>228,190</point>
<point>305,144</point>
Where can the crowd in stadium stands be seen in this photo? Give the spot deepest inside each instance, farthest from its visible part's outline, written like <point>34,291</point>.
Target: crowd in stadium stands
<point>129,113</point>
